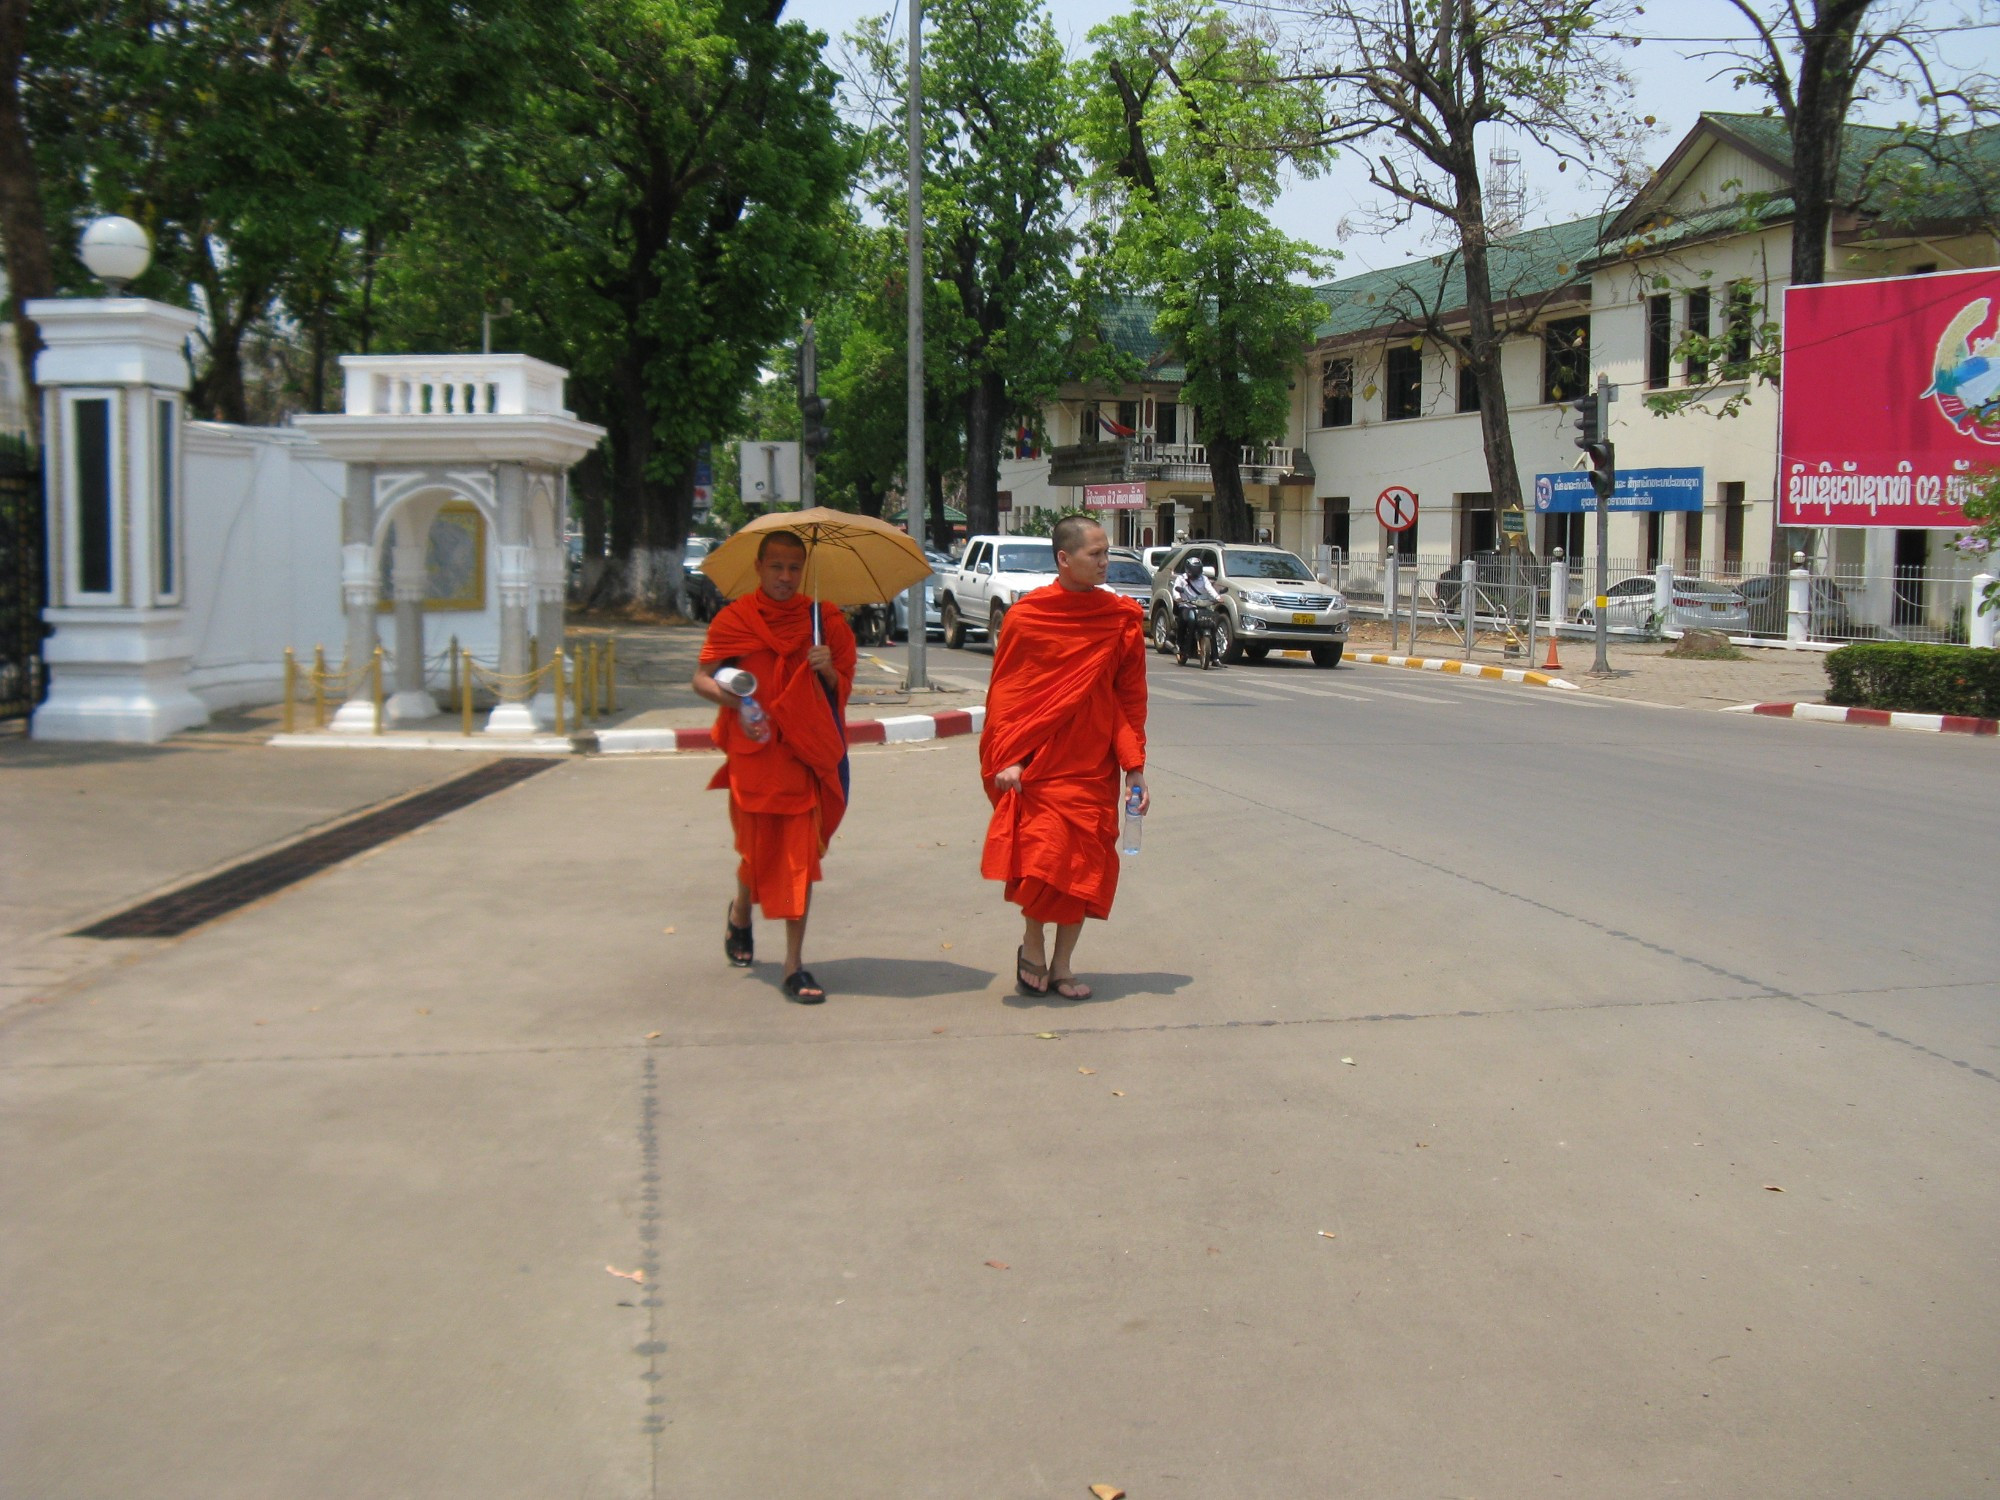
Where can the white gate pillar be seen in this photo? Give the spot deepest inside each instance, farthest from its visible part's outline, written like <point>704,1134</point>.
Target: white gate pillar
<point>360,592</point>
<point>513,714</point>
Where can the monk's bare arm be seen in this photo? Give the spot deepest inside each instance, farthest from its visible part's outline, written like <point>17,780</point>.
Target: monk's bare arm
<point>1008,779</point>
<point>1130,685</point>
<point>705,685</point>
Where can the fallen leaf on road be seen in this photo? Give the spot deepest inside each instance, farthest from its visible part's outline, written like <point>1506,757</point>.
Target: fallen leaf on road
<point>1086,1070</point>
<point>937,1031</point>
<point>1349,1061</point>
<point>668,931</point>
<point>1213,1251</point>
<point>1107,1492</point>
<point>1772,1187</point>
<point>423,1010</point>
<point>944,945</point>
<point>651,1034</point>
<point>628,1275</point>
<point>1423,1145</point>
<point>1047,1036</point>
<point>1118,1093</point>
<point>998,1265</point>
<point>1328,1234</point>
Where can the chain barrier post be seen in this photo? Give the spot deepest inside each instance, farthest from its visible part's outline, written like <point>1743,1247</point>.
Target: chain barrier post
<point>376,667</point>
<point>556,662</point>
<point>465,697</point>
<point>588,687</point>
<point>611,675</point>
<point>319,687</point>
<point>291,686</point>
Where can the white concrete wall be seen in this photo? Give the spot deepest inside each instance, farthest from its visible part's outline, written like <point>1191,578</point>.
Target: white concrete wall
<point>262,516</point>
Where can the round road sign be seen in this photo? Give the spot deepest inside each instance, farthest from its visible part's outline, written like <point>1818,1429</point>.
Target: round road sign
<point>1396,508</point>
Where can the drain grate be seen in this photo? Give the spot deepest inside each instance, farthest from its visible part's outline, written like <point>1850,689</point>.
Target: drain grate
<point>223,892</point>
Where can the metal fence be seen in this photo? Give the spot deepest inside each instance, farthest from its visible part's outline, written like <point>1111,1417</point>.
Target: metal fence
<point>1902,604</point>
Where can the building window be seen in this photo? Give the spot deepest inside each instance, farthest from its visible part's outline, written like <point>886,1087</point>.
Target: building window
<point>91,421</point>
<point>1742,327</point>
<point>1468,387</point>
<point>1334,523</point>
<point>1402,383</point>
<point>1564,531</point>
<point>1697,369</point>
<point>1406,543</point>
<point>1478,527</point>
<point>1691,541</point>
<point>1659,342</point>
<point>1086,430</point>
<point>163,415</point>
<point>1565,359</point>
<point>1651,532</point>
<point>1336,394</point>
<point>1731,495</point>
<point>1166,422</point>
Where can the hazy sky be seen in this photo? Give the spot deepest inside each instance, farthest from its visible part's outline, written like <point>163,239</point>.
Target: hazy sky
<point>1673,84</point>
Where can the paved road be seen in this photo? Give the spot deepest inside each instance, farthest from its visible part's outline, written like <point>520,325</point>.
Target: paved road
<point>1451,1041</point>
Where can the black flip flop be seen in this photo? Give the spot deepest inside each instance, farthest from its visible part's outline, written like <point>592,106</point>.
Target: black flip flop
<point>801,988</point>
<point>739,945</point>
<point>1024,978</point>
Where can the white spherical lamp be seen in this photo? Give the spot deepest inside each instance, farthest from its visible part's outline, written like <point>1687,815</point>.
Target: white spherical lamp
<point>117,252</point>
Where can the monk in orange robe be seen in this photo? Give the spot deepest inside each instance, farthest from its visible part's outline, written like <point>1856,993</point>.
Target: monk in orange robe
<point>787,792</point>
<point>1065,715</point>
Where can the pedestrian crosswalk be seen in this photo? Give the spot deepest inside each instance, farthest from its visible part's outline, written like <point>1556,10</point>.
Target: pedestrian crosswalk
<point>1244,684</point>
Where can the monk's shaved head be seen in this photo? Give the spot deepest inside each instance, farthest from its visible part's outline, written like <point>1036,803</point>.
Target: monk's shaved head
<point>780,539</point>
<point>1072,533</point>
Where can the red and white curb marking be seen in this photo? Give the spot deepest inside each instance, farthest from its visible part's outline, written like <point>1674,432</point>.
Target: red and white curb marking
<point>1465,669</point>
<point>1881,718</point>
<point>896,731</point>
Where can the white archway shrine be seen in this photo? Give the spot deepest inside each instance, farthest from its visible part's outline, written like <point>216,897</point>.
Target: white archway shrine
<point>418,433</point>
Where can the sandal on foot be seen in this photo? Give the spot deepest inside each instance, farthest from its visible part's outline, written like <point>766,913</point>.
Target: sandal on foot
<point>1069,987</point>
<point>738,944</point>
<point>801,987</point>
<point>1032,978</point>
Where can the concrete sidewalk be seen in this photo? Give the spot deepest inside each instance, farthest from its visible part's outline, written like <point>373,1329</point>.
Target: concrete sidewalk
<point>345,1194</point>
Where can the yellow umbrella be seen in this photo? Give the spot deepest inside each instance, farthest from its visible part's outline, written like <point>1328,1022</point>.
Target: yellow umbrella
<point>850,559</point>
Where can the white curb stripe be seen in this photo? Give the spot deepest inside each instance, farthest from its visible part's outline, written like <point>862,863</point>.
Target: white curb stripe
<point>1465,669</point>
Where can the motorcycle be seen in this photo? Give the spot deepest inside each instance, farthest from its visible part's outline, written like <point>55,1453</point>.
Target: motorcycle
<point>874,624</point>
<point>1197,636</point>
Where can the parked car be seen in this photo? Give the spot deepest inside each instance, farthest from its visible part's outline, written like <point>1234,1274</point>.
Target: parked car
<point>933,620</point>
<point>1270,600</point>
<point>1696,605</point>
<point>1154,557</point>
<point>1769,599</point>
<point>1129,576</point>
<point>993,573</point>
<point>706,598</point>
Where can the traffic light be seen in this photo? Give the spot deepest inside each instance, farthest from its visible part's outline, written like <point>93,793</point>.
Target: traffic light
<point>814,432</point>
<point>1587,435</point>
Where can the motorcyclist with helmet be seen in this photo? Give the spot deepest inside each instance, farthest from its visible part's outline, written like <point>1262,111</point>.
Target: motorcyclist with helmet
<point>1193,588</point>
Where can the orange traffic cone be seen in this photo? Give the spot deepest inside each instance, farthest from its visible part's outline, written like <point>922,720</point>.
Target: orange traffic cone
<point>1552,664</point>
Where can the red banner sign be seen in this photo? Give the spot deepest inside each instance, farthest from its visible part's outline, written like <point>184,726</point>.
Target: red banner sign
<point>1891,403</point>
<point>1114,497</point>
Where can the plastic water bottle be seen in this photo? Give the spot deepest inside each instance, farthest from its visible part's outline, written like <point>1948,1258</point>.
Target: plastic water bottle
<point>756,723</point>
<point>1135,822</point>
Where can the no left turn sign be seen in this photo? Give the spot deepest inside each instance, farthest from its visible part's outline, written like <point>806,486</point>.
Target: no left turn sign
<point>1396,508</point>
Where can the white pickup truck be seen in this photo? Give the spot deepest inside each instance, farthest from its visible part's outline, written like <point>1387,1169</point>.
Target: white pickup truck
<point>993,572</point>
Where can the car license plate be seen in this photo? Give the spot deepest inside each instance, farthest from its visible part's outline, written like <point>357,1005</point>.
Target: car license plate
<point>1720,608</point>
<point>1303,619</point>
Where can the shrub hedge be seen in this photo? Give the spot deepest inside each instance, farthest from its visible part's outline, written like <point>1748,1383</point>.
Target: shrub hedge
<point>1912,678</point>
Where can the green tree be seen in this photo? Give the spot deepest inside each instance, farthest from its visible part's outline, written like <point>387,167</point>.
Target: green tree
<point>1189,130</point>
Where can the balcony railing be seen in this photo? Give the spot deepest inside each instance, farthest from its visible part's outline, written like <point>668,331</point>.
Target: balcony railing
<point>1124,460</point>
<point>450,385</point>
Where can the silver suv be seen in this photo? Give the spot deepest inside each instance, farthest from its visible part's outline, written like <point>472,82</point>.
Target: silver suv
<point>1270,601</point>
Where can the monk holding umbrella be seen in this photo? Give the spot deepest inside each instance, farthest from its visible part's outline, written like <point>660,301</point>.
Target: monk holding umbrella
<point>1065,716</point>
<point>782,644</point>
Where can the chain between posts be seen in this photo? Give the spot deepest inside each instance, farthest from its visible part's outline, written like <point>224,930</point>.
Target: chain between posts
<point>318,679</point>
<point>507,685</point>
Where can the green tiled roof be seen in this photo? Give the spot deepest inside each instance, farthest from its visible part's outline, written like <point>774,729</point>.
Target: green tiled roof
<point>1128,328</point>
<point>1530,264</point>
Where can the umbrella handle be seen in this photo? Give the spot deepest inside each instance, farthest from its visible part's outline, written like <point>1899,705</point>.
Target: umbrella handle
<point>812,601</point>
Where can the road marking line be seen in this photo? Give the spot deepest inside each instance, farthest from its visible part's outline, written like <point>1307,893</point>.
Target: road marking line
<point>1416,697</point>
<point>1313,692</point>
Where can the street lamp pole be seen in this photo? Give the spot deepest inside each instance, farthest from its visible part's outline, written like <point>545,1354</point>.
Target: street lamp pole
<point>913,466</point>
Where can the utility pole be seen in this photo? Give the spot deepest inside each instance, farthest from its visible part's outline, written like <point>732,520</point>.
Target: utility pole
<point>913,464</point>
<point>813,433</point>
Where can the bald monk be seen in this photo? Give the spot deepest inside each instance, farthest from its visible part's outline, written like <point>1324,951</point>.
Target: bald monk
<point>1065,716</point>
<point>786,793</point>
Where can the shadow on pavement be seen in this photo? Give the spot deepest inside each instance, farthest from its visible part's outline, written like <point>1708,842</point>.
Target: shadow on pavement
<point>1105,987</point>
<point>892,978</point>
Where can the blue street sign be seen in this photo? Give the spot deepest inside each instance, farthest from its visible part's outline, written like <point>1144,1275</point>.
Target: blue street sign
<point>1638,489</point>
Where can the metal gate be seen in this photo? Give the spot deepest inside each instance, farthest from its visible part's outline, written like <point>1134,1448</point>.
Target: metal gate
<point>23,584</point>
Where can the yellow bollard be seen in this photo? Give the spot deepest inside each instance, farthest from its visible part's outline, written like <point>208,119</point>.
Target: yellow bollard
<point>377,668</point>
<point>291,685</point>
<point>465,699</point>
<point>589,684</point>
<point>319,687</point>
<point>611,675</point>
<point>556,662</point>
<point>579,704</point>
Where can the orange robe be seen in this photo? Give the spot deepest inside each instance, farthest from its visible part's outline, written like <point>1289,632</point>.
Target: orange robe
<point>785,794</point>
<point>1068,702</point>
